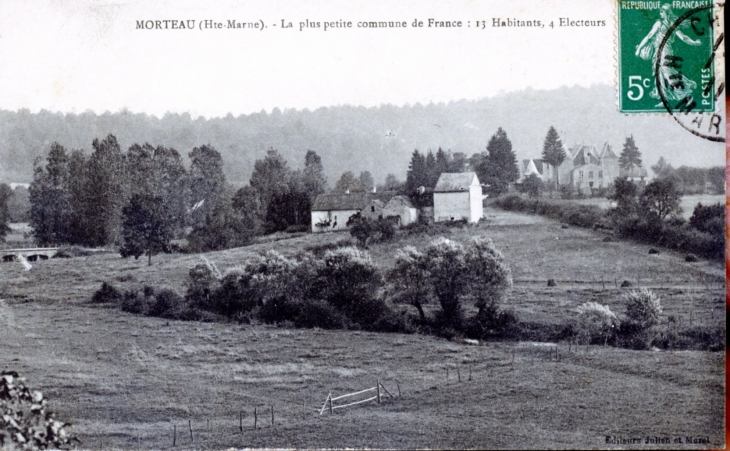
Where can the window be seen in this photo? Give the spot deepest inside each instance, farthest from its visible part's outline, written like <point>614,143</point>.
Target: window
<point>600,174</point>
<point>372,208</point>
<point>580,175</point>
<point>590,174</point>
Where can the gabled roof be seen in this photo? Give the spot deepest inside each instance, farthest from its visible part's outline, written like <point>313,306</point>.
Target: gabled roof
<point>455,181</point>
<point>396,200</point>
<point>607,152</point>
<point>584,155</point>
<point>349,201</point>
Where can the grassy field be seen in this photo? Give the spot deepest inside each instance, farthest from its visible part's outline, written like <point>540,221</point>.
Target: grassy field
<point>118,376</point>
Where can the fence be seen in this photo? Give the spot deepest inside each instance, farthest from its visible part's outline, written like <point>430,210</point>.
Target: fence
<point>331,401</point>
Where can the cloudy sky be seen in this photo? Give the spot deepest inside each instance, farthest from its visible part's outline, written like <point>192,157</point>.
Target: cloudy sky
<point>75,55</point>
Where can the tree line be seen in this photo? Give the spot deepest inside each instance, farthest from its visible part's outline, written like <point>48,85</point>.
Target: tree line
<point>141,199</point>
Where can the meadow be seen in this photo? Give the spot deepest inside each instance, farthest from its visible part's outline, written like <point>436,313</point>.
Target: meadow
<point>128,381</point>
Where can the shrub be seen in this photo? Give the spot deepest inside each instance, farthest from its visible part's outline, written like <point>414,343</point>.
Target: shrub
<point>595,324</point>
<point>551,283</point>
<point>318,250</point>
<point>317,313</point>
<point>345,277</point>
<point>489,275</point>
<point>135,301</point>
<point>690,258</point>
<point>203,281</point>
<point>167,304</point>
<point>106,294</point>
<point>643,308</point>
<point>409,279</point>
<point>25,421</point>
<point>449,276</point>
<point>709,219</point>
<point>492,322</point>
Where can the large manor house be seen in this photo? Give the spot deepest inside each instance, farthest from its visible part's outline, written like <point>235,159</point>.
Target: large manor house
<point>585,168</point>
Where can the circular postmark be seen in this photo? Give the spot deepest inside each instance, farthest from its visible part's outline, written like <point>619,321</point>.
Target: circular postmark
<point>677,89</point>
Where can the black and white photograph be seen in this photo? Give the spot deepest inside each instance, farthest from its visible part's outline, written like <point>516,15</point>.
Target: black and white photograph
<point>362,224</point>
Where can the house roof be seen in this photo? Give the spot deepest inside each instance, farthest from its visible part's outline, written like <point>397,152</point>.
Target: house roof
<point>455,181</point>
<point>607,151</point>
<point>348,201</point>
<point>402,200</point>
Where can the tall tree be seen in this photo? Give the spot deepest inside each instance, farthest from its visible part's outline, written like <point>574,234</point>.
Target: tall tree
<point>630,156</point>
<point>159,171</point>
<point>146,227</point>
<point>270,177</point>
<point>366,181</point>
<point>391,183</point>
<point>458,162</point>
<point>661,198</point>
<point>553,152</point>
<point>5,194</point>
<point>417,175</point>
<point>207,182</point>
<point>498,166</point>
<point>106,191</point>
<point>49,196</point>
<point>315,182</point>
<point>432,176</point>
<point>348,183</point>
<point>79,224</point>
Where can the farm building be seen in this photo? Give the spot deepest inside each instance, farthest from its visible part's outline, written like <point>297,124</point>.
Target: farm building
<point>457,196</point>
<point>331,212</point>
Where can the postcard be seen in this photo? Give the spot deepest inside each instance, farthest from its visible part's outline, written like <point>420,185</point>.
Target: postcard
<point>362,224</point>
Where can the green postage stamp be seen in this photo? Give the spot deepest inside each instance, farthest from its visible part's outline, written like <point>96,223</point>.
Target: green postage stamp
<point>666,54</point>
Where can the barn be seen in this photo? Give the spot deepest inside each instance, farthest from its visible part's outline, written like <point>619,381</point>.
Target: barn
<point>331,212</point>
<point>457,195</point>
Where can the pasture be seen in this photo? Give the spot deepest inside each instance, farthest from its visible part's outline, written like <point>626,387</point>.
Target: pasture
<point>128,381</point>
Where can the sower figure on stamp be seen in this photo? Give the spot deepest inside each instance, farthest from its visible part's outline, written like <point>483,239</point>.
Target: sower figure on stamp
<point>680,86</point>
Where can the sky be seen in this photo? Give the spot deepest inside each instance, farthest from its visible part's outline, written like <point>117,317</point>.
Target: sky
<point>78,55</point>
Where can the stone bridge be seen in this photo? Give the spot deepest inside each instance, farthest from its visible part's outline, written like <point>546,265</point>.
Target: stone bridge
<point>30,253</point>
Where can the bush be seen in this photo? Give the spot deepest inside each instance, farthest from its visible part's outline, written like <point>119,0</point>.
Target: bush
<point>596,324</point>
<point>317,313</point>
<point>135,301</point>
<point>492,322</point>
<point>25,421</point>
<point>709,219</point>
<point>167,304</point>
<point>106,294</point>
<point>318,250</point>
<point>345,277</point>
<point>643,308</point>
<point>690,258</point>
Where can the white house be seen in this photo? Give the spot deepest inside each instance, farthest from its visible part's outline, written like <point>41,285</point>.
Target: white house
<point>331,212</point>
<point>457,196</point>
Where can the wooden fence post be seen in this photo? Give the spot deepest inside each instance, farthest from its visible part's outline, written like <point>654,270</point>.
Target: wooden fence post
<point>255,418</point>
<point>332,409</point>
<point>458,372</point>
<point>398,385</point>
<point>174,434</point>
<point>377,385</point>
<point>272,414</point>
<point>190,426</point>
<point>240,420</point>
